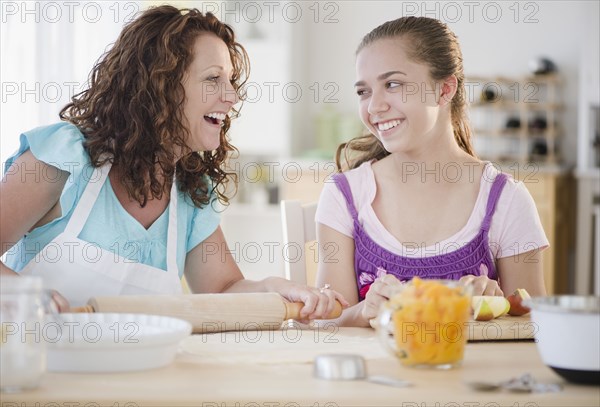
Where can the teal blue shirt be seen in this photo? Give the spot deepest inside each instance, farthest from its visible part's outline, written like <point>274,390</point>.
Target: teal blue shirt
<point>109,226</point>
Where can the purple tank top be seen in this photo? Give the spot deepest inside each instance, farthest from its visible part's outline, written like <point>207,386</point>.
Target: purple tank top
<point>372,260</point>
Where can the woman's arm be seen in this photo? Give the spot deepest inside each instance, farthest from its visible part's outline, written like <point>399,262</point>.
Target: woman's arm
<point>4,270</point>
<point>522,271</point>
<point>210,268</point>
<point>29,197</point>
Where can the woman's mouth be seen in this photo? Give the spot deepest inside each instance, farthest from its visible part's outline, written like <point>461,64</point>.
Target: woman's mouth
<point>215,118</point>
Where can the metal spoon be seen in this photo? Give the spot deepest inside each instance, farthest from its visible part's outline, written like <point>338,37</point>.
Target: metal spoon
<point>485,386</point>
<point>523,384</point>
<point>493,386</point>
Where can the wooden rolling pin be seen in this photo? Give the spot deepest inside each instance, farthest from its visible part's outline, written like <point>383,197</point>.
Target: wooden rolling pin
<point>209,312</point>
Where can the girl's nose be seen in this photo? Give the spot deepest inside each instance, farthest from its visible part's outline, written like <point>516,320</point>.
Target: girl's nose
<point>377,104</point>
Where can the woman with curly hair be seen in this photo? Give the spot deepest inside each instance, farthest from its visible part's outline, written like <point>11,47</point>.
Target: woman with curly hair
<point>119,197</point>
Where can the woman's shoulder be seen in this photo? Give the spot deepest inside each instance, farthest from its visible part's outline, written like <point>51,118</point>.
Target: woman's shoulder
<point>201,222</point>
<point>61,131</point>
<point>59,145</point>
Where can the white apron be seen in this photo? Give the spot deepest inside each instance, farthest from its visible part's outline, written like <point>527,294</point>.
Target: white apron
<point>79,270</point>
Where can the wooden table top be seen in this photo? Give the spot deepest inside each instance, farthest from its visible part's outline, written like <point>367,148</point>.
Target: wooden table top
<point>274,368</point>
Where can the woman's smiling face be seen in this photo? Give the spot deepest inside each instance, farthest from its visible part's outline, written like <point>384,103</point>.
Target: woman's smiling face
<point>209,94</point>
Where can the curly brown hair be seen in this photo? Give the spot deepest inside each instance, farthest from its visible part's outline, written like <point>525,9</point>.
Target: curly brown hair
<point>430,42</point>
<point>132,111</point>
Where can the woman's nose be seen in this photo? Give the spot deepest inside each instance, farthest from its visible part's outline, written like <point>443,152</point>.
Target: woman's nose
<point>229,94</point>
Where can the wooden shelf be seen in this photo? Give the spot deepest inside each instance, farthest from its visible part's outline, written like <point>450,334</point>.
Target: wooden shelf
<point>552,79</point>
<point>508,105</point>
<point>516,99</point>
<point>518,132</point>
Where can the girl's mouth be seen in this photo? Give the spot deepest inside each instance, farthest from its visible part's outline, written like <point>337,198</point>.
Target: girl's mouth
<point>389,124</point>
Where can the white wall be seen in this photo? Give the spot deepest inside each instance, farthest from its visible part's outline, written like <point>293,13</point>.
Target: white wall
<point>48,50</point>
<point>321,51</point>
<point>503,47</point>
<point>589,85</point>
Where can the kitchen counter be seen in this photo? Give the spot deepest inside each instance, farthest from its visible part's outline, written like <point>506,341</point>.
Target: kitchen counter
<point>273,368</point>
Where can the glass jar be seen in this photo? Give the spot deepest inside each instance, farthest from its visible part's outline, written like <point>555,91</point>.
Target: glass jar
<point>22,348</point>
<point>424,324</point>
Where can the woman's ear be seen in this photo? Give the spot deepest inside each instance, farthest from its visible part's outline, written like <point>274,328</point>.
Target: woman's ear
<point>448,91</point>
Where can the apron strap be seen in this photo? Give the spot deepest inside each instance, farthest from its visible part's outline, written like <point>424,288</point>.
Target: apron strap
<point>172,232</point>
<point>92,190</point>
<point>88,198</point>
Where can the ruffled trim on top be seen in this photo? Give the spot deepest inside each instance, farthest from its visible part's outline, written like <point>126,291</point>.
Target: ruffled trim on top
<point>59,145</point>
<point>370,259</point>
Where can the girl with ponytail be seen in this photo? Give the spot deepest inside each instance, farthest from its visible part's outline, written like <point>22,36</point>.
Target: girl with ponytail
<point>414,199</point>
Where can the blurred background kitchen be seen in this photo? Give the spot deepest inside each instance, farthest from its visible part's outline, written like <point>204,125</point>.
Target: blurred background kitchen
<point>532,73</point>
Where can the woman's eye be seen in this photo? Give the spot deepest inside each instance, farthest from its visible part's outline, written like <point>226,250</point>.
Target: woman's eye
<point>391,85</point>
<point>361,92</point>
<point>213,78</point>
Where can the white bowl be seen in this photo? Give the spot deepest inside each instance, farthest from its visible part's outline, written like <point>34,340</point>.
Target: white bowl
<point>111,342</point>
<point>568,335</point>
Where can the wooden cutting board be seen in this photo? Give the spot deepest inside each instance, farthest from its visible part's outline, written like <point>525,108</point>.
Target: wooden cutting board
<point>505,328</point>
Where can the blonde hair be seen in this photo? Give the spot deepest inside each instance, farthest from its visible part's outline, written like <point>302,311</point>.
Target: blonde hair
<point>432,43</point>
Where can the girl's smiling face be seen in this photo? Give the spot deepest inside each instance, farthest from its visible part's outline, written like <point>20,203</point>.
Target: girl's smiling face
<point>398,100</point>
<point>209,94</point>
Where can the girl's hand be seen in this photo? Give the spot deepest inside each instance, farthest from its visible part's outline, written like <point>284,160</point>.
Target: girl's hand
<point>318,303</point>
<point>381,290</point>
<point>482,285</point>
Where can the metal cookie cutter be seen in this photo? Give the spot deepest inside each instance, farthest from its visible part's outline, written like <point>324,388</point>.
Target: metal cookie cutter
<point>350,367</point>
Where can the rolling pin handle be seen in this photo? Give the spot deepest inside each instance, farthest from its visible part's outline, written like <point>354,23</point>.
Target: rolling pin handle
<point>83,309</point>
<point>292,310</point>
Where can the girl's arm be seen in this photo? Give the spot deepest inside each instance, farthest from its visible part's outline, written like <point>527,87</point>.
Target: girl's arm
<point>210,268</point>
<point>522,228</point>
<point>522,271</point>
<point>336,268</point>
<point>29,197</point>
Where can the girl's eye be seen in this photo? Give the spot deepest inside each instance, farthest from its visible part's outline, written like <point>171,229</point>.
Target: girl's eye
<point>361,92</point>
<point>391,85</point>
<point>213,78</point>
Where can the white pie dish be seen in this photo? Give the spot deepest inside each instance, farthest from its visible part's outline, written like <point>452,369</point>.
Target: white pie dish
<point>102,342</point>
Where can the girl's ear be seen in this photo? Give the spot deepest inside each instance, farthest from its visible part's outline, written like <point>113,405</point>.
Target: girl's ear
<point>448,90</point>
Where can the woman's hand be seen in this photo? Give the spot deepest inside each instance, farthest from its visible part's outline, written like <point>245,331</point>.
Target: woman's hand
<point>381,290</point>
<point>58,303</point>
<point>482,285</point>
<point>318,303</point>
